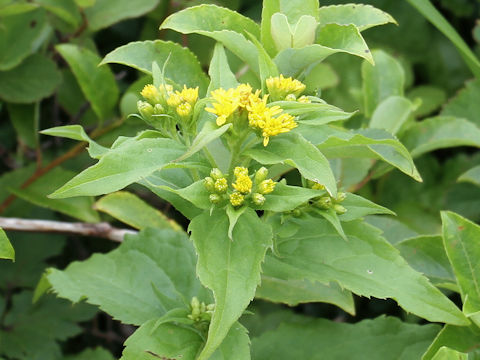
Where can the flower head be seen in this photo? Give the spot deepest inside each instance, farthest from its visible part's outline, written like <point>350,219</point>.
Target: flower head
<point>188,95</point>
<point>236,199</point>
<point>151,94</point>
<point>226,103</point>
<point>174,100</point>
<point>184,109</point>
<point>266,186</point>
<point>280,87</point>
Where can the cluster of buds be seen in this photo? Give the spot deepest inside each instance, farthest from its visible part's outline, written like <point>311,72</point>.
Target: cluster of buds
<point>281,88</point>
<point>243,186</point>
<point>327,202</point>
<point>200,311</point>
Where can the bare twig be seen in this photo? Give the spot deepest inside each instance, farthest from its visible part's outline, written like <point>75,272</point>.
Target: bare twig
<point>102,230</point>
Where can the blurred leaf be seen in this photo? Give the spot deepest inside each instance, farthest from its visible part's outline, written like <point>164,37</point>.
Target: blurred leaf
<point>385,79</point>
<point>362,16</point>
<point>445,353</point>
<point>6,248</point>
<point>432,98</point>
<point>36,193</point>
<point>230,268</point>
<point>22,118</point>
<point>472,175</point>
<point>34,79</point>
<point>92,354</point>
<point>97,83</point>
<point>388,339</point>
<point>321,76</point>
<point>440,132</point>
<point>104,13</point>
<point>460,338</point>
<point>460,238</point>
<point>120,166</point>
<point>85,3</point>
<point>391,114</point>
<point>131,210</point>
<point>33,330</point>
<point>366,264</point>
<point>465,104</point>
<point>219,71</point>
<point>15,7</point>
<point>66,10</point>
<point>141,54</point>
<point>21,35</point>
<point>137,282</point>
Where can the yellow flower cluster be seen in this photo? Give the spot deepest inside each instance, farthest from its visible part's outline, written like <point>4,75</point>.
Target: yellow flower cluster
<point>183,101</point>
<point>280,87</point>
<point>269,120</point>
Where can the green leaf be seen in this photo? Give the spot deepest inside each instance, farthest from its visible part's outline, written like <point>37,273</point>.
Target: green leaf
<point>320,77</point>
<point>36,193</point>
<point>24,119</point>
<point>10,8</point>
<point>76,132</point>
<point>231,269</point>
<point>460,237</point>
<point>221,24</point>
<point>358,207</point>
<point>131,210</point>
<point>21,36</point>
<point>427,255</point>
<point>32,331</point>
<point>168,55</point>
<point>437,19</point>
<point>266,66</point>
<point>393,230</point>
<point>388,339</point>
<point>440,132</point>
<point>92,354</point>
<point>385,79</point>
<point>105,13</point>
<point>294,150</point>
<point>34,79</point>
<point>460,338</point>
<point>220,74</point>
<point>277,287</point>
<point>367,143</point>
<point>122,282</point>
<point>465,104</point>
<point>302,34</point>
<point>472,175</point>
<point>391,114</point>
<point>121,166</point>
<point>362,16</point>
<point>66,10</point>
<point>97,83</point>
<point>449,354</point>
<point>366,264</point>
<point>313,113</point>
<point>431,98</point>
<point>6,249</point>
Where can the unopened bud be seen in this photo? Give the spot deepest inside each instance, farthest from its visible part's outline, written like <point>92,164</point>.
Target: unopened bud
<point>339,209</point>
<point>236,199</point>
<point>151,94</point>
<point>184,109</point>
<point>266,186</point>
<point>216,174</point>
<point>296,212</point>
<point>258,199</point>
<point>215,198</point>
<point>221,185</point>
<point>291,97</point>
<point>325,202</point>
<point>261,175</point>
<point>158,109</point>
<point>341,196</point>
<point>145,109</point>
<point>209,184</point>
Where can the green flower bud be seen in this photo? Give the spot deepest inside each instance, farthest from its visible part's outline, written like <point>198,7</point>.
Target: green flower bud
<point>266,186</point>
<point>210,307</point>
<point>291,97</point>
<point>209,184</point>
<point>339,209</point>
<point>296,212</point>
<point>341,196</point>
<point>325,203</point>
<point>221,186</point>
<point>258,199</point>
<point>261,175</point>
<point>215,198</point>
<point>216,174</point>
<point>158,109</point>
<point>145,109</point>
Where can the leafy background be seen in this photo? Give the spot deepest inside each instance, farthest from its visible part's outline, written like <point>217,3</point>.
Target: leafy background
<point>49,77</point>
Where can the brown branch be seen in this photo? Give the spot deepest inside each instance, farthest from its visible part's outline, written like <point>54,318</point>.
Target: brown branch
<point>103,230</point>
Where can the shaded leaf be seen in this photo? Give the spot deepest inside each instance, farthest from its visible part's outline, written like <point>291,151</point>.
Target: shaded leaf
<point>465,104</point>
<point>6,249</point>
<point>92,354</point>
<point>391,114</point>
<point>431,97</point>
<point>472,175</point>
<point>460,338</point>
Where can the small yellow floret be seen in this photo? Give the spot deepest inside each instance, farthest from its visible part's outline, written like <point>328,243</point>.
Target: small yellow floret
<point>243,184</point>
<point>266,186</point>
<point>189,95</point>
<point>240,170</point>
<point>243,92</point>
<point>236,199</point>
<point>304,99</point>
<point>226,103</point>
<point>280,87</point>
<point>221,185</point>
<point>174,100</point>
<point>151,94</point>
<point>184,109</point>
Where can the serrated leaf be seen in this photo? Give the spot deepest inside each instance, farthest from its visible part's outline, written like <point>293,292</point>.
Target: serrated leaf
<point>460,338</point>
<point>121,166</point>
<point>362,16</point>
<point>34,79</point>
<point>230,268</point>
<point>131,210</point>
<point>301,338</point>
<point>385,79</point>
<point>366,264</point>
<point>294,150</point>
<point>21,35</point>
<point>97,83</point>
<point>465,104</point>
<point>440,132</point>
<point>6,248</point>
<point>472,176</point>
<point>103,13</point>
<point>391,114</point>
<point>168,55</point>
<point>460,237</point>
<point>36,193</point>
<point>219,71</point>
<point>121,282</point>
<point>224,25</point>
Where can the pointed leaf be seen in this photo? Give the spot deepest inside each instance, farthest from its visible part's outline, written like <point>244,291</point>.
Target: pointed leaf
<point>465,104</point>
<point>460,338</point>
<point>220,74</point>
<point>391,114</point>
<point>6,249</point>
<point>358,207</point>
<point>472,175</point>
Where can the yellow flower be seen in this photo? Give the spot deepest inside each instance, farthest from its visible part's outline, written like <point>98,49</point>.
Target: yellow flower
<point>184,109</point>
<point>278,125</point>
<point>151,94</point>
<point>243,92</point>
<point>166,89</point>
<point>243,184</point>
<point>174,100</point>
<point>221,185</point>
<point>189,95</point>
<point>304,99</point>
<point>280,87</point>
<point>266,186</point>
<point>240,170</point>
<point>226,103</point>
<point>236,199</point>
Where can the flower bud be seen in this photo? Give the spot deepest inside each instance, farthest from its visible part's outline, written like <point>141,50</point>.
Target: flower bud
<point>145,109</point>
<point>339,209</point>
<point>258,199</point>
<point>184,109</point>
<point>266,186</point>
<point>291,97</point>
<point>215,198</point>
<point>341,196</point>
<point>221,185</point>
<point>216,174</point>
<point>158,109</point>
<point>296,212</point>
<point>236,199</point>
<point>151,94</point>
<point>325,203</point>
<point>209,184</point>
<point>240,171</point>
<point>261,175</point>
